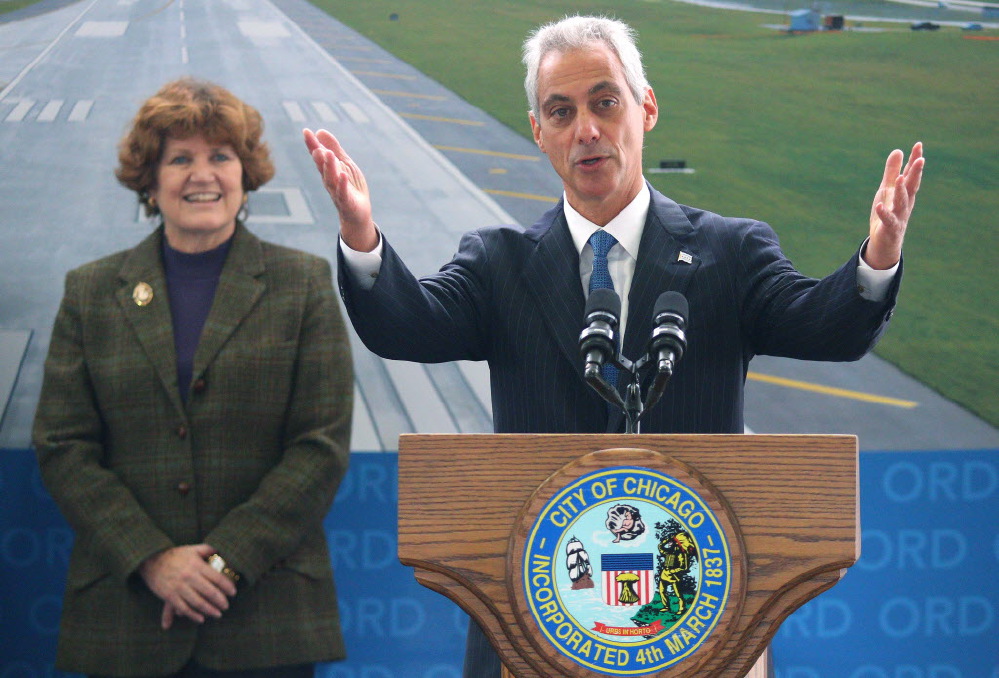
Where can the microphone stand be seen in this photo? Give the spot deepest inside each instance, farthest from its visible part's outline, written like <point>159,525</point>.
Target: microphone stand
<point>632,405</point>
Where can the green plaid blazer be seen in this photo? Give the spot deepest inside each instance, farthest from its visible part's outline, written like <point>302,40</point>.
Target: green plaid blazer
<point>249,465</point>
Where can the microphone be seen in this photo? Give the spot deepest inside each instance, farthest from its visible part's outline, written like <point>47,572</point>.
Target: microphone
<point>669,340</point>
<point>598,340</point>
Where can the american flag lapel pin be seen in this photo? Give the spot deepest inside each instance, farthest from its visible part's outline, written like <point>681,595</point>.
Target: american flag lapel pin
<point>685,258</point>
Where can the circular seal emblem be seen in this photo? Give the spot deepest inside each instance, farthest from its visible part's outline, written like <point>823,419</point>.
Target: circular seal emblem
<point>626,570</point>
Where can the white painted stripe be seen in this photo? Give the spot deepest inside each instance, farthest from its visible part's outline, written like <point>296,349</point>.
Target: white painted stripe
<point>13,83</point>
<point>298,208</point>
<point>501,215</point>
<point>20,111</point>
<point>362,433</point>
<point>294,200</point>
<point>183,55</point>
<point>81,110</point>
<point>50,111</point>
<point>421,400</point>
<point>355,112</point>
<point>325,111</point>
<point>294,111</point>
<point>263,29</point>
<point>102,29</point>
<point>183,32</point>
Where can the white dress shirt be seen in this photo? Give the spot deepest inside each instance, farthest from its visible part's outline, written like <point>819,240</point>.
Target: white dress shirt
<point>627,228</point>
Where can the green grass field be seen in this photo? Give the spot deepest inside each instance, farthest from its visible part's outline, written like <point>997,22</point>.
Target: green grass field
<point>11,5</point>
<point>793,130</point>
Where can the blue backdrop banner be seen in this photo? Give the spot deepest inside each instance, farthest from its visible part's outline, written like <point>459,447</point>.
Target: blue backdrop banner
<point>921,603</point>
<point>923,599</point>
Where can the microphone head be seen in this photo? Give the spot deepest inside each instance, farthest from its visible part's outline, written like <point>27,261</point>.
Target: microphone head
<point>672,303</point>
<point>603,312</point>
<point>604,300</point>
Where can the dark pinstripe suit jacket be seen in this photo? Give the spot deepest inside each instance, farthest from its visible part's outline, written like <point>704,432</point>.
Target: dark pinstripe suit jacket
<point>514,298</point>
<point>249,464</point>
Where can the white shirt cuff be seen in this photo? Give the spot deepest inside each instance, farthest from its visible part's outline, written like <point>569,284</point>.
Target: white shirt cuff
<point>363,267</point>
<point>873,284</point>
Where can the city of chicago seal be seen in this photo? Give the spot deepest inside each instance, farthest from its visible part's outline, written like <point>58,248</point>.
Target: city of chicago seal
<point>626,570</point>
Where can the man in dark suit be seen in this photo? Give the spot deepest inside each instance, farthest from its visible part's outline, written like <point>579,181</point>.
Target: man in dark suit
<point>516,298</point>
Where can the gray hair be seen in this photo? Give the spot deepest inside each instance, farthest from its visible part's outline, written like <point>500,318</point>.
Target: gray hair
<point>577,32</point>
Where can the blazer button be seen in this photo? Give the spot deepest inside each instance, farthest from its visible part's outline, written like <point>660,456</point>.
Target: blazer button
<point>199,386</point>
<point>183,488</point>
<point>181,431</point>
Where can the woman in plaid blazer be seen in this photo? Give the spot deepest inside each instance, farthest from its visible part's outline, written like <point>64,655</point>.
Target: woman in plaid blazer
<point>194,420</point>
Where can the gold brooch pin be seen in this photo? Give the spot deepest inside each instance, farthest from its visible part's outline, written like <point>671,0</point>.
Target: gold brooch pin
<point>142,294</point>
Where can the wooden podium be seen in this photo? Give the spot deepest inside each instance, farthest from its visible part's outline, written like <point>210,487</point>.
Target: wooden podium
<point>762,524</point>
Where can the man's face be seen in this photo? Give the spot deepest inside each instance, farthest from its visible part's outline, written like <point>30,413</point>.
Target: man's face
<point>591,129</point>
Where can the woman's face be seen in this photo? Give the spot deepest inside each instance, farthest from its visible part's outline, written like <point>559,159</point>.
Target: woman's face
<point>199,190</point>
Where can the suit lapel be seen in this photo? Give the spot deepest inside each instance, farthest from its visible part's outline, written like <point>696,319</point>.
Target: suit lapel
<point>238,291</point>
<point>668,258</point>
<point>552,275</point>
<point>142,274</point>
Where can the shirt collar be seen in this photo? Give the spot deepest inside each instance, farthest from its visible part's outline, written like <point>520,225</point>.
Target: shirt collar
<point>626,227</point>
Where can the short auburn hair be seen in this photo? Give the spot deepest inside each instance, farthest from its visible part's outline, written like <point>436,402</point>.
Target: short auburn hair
<point>184,108</point>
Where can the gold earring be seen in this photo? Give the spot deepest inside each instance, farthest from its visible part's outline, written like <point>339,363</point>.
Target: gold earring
<point>152,202</point>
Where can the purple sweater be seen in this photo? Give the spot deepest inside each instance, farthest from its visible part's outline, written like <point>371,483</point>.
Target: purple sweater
<point>191,282</point>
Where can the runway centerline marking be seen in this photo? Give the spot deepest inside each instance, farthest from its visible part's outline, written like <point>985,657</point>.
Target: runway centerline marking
<point>831,390</point>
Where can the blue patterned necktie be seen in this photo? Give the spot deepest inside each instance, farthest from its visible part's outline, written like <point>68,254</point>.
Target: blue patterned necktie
<point>601,242</point>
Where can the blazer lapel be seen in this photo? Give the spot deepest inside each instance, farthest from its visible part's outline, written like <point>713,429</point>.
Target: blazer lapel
<point>238,291</point>
<point>552,275</point>
<point>145,304</point>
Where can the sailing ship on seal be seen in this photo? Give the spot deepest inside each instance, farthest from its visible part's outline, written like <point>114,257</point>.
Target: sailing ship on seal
<point>578,562</point>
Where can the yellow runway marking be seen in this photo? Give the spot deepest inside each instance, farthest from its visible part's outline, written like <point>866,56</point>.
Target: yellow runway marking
<point>396,76</point>
<point>365,60</point>
<point>479,151</point>
<point>433,97</point>
<point>526,196</point>
<point>829,390</point>
<point>474,123</point>
<point>155,11</point>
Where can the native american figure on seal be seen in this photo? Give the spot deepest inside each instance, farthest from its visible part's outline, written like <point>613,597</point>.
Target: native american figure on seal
<point>679,554</point>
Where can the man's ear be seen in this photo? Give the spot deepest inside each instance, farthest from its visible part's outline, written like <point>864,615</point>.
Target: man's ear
<point>651,109</point>
<point>536,129</point>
